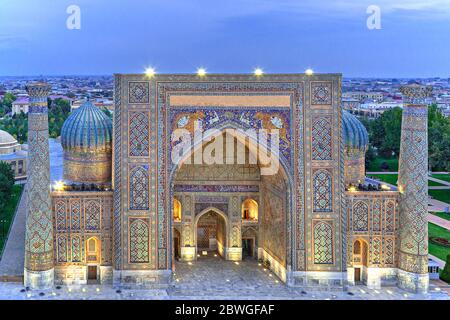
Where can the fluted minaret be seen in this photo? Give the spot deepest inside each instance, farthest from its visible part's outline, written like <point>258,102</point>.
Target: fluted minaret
<point>38,273</point>
<point>413,187</point>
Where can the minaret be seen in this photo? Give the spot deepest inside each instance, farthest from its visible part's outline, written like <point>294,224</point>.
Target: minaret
<point>38,273</point>
<point>413,187</point>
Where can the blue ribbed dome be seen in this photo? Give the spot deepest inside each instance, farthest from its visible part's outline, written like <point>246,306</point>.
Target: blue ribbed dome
<point>355,134</point>
<point>87,129</point>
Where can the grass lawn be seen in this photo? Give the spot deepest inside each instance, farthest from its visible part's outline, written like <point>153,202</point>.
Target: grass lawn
<point>442,215</point>
<point>445,177</point>
<point>375,165</point>
<point>389,178</point>
<point>436,250</point>
<point>8,213</point>
<point>442,195</point>
<point>392,179</point>
<point>435,184</point>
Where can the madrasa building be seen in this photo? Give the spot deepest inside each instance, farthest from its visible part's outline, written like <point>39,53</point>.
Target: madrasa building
<point>125,213</point>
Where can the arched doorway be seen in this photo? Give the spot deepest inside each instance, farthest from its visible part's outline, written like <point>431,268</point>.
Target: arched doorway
<point>211,228</point>
<point>93,258</point>
<point>360,250</point>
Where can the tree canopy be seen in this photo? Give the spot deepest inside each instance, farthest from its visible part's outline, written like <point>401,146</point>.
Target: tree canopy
<point>384,136</point>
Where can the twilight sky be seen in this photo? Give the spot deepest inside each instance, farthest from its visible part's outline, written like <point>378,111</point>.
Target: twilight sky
<point>224,36</point>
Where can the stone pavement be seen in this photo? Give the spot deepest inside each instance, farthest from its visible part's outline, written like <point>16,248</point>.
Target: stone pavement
<point>12,259</point>
<point>214,278</point>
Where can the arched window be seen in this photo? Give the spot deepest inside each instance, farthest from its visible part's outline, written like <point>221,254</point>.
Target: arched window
<point>250,210</point>
<point>176,210</point>
<point>357,247</point>
<point>92,250</point>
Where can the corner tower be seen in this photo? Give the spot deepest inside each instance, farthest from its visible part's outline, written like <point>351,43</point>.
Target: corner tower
<point>413,187</point>
<point>38,271</point>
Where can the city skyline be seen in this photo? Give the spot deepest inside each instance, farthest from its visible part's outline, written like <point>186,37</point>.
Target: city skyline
<point>180,36</point>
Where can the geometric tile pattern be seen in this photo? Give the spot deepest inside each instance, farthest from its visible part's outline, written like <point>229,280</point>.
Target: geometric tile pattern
<point>76,249</point>
<point>138,92</point>
<point>323,243</point>
<point>375,251</point>
<point>322,183</point>
<point>139,134</point>
<point>139,180</point>
<point>321,138</point>
<point>360,216</point>
<point>39,226</point>
<point>62,249</point>
<point>321,93</point>
<point>92,215</point>
<point>413,170</point>
<point>139,241</point>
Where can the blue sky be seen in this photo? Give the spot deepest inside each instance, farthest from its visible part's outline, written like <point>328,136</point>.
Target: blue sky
<point>178,36</point>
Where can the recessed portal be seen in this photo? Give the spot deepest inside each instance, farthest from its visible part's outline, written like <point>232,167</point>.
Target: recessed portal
<point>211,233</point>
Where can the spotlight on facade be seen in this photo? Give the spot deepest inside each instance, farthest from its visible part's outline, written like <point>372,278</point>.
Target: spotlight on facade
<point>58,186</point>
<point>352,189</point>
<point>150,72</point>
<point>309,72</point>
<point>201,72</point>
<point>385,187</point>
<point>258,72</point>
<point>400,189</point>
<point>204,253</point>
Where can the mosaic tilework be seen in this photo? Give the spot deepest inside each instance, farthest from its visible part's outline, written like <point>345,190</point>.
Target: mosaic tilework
<point>375,251</point>
<point>322,183</point>
<point>413,170</point>
<point>139,180</point>
<point>139,129</point>
<point>239,118</point>
<point>61,219</point>
<point>323,243</point>
<point>139,241</point>
<point>92,215</point>
<point>321,92</point>
<point>376,216</point>
<point>321,138</point>
<point>62,249</point>
<point>389,251</point>
<point>39,228</point>
<point>77,250</point>
<point>138,92</point>
<point>117,172</point>
<point>75,215</point>
<point>360,216</point>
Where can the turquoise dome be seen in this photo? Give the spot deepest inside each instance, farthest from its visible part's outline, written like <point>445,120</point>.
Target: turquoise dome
<point>87,129</point>
<point>355,134</point>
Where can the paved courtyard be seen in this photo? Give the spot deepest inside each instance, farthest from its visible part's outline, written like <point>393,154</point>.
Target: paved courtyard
<point>214,278</point>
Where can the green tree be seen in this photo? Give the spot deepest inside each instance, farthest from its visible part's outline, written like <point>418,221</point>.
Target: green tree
<point>438,140</point>
<point>390,140</point>
<point>6,183</point>
<point>445,273</point>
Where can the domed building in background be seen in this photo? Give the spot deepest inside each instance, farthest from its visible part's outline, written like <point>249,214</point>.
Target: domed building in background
<point>11,151</point>
<point>86,138</point>
<point>356,140</point>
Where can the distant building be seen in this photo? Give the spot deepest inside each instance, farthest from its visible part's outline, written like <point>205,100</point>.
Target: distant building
<point>12,152</point>
<point>362,96</point>
<point>22,103</point>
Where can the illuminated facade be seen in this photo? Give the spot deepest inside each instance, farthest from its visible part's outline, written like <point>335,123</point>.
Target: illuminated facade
<point>315,221</point>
